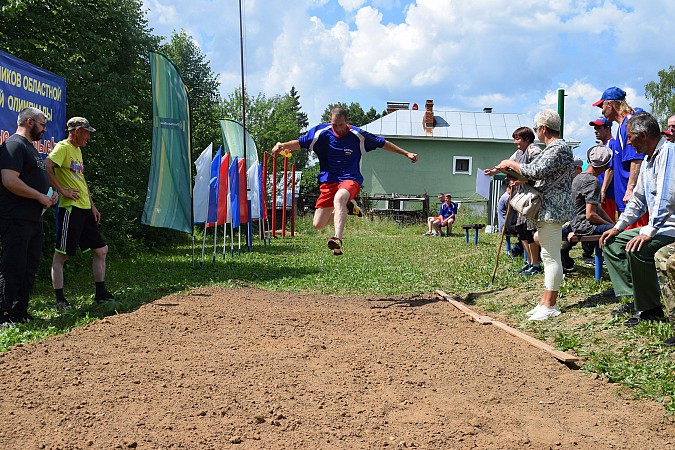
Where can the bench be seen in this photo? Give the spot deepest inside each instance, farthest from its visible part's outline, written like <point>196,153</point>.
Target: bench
<point>599,258</point>
<point>476,227</point>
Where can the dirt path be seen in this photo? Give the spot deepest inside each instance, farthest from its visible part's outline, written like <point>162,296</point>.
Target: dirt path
<point>249,369</point>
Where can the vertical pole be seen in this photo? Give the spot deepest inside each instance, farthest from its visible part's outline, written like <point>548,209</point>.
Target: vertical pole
<point>274,195</point>
<point>561,110</point>
<point>263,200</point>
<point>283,201</point>
<point>243,90</point>
<point>292,199</point>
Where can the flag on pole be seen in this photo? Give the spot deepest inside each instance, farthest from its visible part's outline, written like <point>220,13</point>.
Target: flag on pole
<point>168,202</point>
<point>200,193</point>
<point>233,174</point>
<point>243,196</point>
<point>233,140</point>
<point>212,216</point>
<point>255,190</point>
<point>223,190</point>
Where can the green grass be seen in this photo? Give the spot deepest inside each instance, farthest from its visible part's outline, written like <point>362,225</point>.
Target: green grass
<point>381,258</point>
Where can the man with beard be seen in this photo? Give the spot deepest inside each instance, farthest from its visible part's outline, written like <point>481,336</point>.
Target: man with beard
<point>23,197</point>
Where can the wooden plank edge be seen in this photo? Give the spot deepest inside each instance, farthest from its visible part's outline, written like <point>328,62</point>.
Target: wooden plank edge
<point>486,320</point>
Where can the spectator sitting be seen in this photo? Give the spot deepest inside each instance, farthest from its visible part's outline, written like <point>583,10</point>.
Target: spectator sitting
<point>446,217</point>
<point>590,218</point>
<point>432,219</point>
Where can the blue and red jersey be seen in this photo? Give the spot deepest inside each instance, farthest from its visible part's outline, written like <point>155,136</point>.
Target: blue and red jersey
<point>339,157</point>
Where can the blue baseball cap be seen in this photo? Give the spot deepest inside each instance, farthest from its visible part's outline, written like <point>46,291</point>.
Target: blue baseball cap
<point>600,122</point>
<point>612,93</point>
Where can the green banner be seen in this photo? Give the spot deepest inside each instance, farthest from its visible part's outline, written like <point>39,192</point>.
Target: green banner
<point>168,203</point>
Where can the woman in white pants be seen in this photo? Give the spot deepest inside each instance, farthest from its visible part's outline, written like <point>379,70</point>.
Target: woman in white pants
<point>552,172</point>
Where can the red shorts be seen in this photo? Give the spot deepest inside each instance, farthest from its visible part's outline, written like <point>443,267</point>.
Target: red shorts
<point>610,208</point>
<point>328,191</point>
<point>641,222</point>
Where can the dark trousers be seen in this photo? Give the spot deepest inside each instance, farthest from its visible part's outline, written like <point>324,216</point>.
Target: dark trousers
<point>20,258</point>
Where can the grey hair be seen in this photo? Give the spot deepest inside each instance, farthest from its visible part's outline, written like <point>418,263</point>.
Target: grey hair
<point>549,119</point>
<point>28,113</point>
<point>645,123</point>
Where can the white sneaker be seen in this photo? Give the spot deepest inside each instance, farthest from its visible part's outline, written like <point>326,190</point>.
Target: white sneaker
<point>545,312</point>
<point>534,310</point>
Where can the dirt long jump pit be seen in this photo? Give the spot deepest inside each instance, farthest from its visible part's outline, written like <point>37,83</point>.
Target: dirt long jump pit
<point>246,369</point>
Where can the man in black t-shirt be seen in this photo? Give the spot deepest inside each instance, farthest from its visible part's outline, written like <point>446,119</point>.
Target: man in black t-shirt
<point>23,197</point>
<point>589,217</point>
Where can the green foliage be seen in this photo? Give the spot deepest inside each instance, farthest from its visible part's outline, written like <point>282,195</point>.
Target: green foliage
<point>100,48</point>
<point>202,87</point>
<point>662,94</point>
<point>357,116</point>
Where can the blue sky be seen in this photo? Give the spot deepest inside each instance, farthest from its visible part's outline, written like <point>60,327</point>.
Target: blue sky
<point>463,54</point>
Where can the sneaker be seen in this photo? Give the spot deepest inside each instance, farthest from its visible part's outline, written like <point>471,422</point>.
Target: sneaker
<point>628,308</point>
<point>545,312</point>
<point>590,262</point>
<point>105,296</point>
<point>524,268</point>
<point>534,310</point>
<point>533,270</point>
<point>608,293</point>
<point>428,233</point>
<point>669,342</point>
<point>335,244</point>
<point>569,269</point>
<point>353,209</point>
<point>62,304</point>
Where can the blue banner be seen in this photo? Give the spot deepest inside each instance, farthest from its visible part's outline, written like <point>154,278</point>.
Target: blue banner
<point>22,85</point>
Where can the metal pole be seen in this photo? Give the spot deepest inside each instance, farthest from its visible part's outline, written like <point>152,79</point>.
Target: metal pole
<point>561,110</point>
<point>292,199</point>
<point>274,195</point>
<point>283,201</point>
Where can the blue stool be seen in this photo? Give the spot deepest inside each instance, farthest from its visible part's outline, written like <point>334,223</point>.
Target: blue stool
<point>476,227</point>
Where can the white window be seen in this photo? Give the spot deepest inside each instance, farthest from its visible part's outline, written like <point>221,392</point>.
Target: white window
<point>462,165</point>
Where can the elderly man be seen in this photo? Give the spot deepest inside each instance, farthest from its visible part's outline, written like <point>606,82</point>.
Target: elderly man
<point>626,161</point>
<point>630,254</point>
<point>669,132</point>
<point>23,197</point>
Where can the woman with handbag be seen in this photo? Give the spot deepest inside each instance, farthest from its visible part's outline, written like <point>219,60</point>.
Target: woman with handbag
<point>552,173</point>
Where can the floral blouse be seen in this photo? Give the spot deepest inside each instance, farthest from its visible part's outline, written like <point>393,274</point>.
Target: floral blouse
<point>552,172</point>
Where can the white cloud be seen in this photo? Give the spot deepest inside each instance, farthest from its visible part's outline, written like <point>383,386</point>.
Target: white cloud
<point>465,54</point>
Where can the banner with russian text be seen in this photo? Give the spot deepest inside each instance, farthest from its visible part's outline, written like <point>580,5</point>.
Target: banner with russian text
<point>23,84</point>
<point>168,203</point>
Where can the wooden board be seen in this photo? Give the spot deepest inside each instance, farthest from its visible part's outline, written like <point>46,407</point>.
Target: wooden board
<point>486,320</point>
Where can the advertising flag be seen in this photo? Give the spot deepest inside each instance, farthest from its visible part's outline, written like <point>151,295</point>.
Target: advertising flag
<point>212,216</point>
<point>243,196</point>
<point>233,174</point>
<point>168,203</point>
<point>200,193</point>
<point>223,189</point>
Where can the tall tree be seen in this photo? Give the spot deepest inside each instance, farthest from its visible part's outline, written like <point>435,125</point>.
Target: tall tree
<point>301,117</point>
<point>100,48</point>
<point>202,88</point>
<point>662,94</point>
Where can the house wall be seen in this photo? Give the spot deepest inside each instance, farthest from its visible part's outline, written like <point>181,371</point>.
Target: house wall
<point>387,173</point>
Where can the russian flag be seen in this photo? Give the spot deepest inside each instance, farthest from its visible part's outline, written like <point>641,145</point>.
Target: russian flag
<point>212,216</point>
<point>223,190</point>
<point>233,174</point>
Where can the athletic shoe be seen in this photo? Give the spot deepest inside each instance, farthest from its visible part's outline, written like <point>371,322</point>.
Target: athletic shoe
<point>524,268</point>
<point>428,233</point>
<point>105,296</point>
<point>590,262</point>
<point>533,270</point>
<point>608,293</point>
<point>353,209</point>
<point>628,308</point>
<point>669,342</point>
<point>545,312</point>
<point>62,304</point>
<point>335,244</point>
<point>534,310</point>
<point>569,269</point>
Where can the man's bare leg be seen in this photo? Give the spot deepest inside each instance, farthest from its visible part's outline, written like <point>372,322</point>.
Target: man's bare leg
<point>340,211</point>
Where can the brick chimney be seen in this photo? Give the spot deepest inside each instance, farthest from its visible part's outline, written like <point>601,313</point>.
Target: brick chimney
<point>429,121</point>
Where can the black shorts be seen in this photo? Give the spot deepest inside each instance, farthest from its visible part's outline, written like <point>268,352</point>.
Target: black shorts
<point>76,227</point>
<point>524,234</point>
